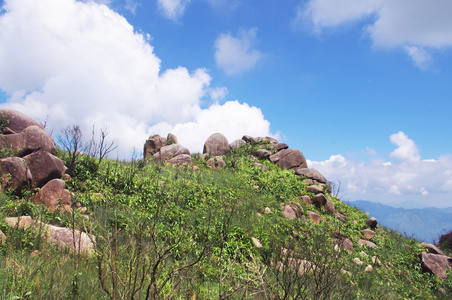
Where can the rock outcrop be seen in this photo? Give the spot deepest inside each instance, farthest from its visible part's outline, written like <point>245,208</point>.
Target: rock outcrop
<point>166,150</point>
<point>32,161</point>
<point>216,145</point>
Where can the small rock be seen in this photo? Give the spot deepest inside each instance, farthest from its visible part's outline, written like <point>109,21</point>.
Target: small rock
<point>319,200</point>
<point>256,242</point>
<point>315,218</point>
<point>367,234</point>
<point>306,199</point>
<point>267,210</point>
<point>347,244</point>
<point>362,242</point>
<point>2,237</point>
<point>19,222</point>
<point>357,261</point>
<point>372,222</point>
<point>376,261</point>
<point>315,189</point>
<point>330,207</point>
<point>363,254</point>
<point>368,269</point>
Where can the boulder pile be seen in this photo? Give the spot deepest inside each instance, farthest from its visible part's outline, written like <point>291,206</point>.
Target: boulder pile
<point>29,160</point>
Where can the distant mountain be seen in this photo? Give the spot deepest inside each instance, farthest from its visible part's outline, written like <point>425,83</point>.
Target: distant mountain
<point>424,224</point>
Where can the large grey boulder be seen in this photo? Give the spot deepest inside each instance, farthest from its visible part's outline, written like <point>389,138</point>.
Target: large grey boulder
<point>153,145</point>
<point>16,121</point>
<point>171,151</point>
<point>31,139</point>
<point>289,159</point>
<point>311,173</point>
<point>436,264</point>
<point>216,145</point>
<point>44,167</point>
<point>14,173</point>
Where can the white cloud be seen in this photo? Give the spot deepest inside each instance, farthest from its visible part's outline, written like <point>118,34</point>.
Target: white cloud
<point>408,178</point>
<point>420,57</point>
<point>235,54</point>
<point>173,9</point>
<point>131,5</point>
<point>416,25</point>
<point>81,63</point>
<point>328,13</point>
<point>406,148</point>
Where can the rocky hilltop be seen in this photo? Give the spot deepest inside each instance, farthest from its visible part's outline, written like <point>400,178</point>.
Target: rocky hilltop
<point>247,217</point>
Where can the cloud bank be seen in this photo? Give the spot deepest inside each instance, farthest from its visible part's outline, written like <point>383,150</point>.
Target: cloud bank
<point>423,181</point>
<point>82,63</point>
<point>235,54</point>
<point>417,26</point>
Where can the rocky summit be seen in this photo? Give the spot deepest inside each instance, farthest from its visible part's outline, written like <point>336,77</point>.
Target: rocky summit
<point>245,219</point>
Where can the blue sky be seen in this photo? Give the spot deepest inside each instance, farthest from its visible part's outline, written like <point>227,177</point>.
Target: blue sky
<point>362,88</point>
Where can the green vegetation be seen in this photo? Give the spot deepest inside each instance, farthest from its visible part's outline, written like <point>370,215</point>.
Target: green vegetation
<point>168,232</point>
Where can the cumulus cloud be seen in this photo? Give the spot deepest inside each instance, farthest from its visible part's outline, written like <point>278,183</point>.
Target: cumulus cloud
<point>82,63</point>
<point>173,9</point>
<point>406,148</point>
<point>235,54</point>
<point>407,178</point>
<point>415,25</point>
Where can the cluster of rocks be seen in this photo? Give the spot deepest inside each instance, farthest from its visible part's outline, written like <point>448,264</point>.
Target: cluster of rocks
<point>31,161</point>
<point>166,150</point>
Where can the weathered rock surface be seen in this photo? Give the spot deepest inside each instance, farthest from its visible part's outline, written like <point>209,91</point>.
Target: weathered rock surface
<point>65,237</point>
<point>216,162</point>
<point>19,222</point>
<point>31,139</point>
<point>306,199</point>
<point>54,195</point>
<point>44,167</point>
<point>216,145</point>
<point>319,200</point>
<point>237,143</point>
<point>17,121</point>
<point>432,248</point>
<point>362,242</point>
<point>289,159</point>
<point>347,244</point>
<point>329,207</point>
<point>367,234</point>
<point>315,189</point>
<point>153,145</point>
<point>446,239</point>
<point>436,264</point>
<point>263,153</point>
<point>279,146</point>
<point>180,159</point>
<point>14,173</point>
<point>171,139</point>
<point>170,151</point>
<point>311,173</point>
<point>315,218</point>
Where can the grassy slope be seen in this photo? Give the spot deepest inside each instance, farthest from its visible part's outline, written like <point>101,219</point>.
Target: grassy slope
<point>172,232</point>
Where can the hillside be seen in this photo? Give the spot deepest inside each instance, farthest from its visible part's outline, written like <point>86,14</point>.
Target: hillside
<point>424,224</point>
<point>244,224</point>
